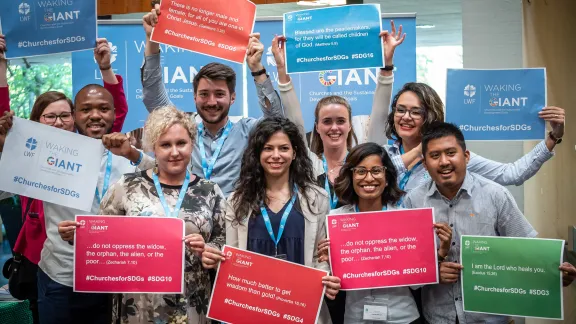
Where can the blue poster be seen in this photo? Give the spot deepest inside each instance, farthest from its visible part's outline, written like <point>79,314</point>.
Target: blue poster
<point>40,27</point>
<point>333,38</point>
<point>356,85</point>
<point>179,68</point>
<point>497,105</point>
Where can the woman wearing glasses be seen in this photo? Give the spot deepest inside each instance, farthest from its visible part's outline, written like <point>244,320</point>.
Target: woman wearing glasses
<point>368,182</point>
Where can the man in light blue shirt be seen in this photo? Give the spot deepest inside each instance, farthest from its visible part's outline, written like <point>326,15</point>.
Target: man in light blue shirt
<point>217,155</point>
<point>471,205</point>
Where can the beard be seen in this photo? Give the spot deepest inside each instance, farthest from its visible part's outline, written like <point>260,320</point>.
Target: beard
<point>211,119</point>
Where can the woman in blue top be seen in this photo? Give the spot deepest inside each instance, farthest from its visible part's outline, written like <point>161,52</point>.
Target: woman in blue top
<point>276,209</point>
<point>367,182</point>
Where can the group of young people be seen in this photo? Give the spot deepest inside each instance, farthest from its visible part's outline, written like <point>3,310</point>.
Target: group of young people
<point>258,185</point>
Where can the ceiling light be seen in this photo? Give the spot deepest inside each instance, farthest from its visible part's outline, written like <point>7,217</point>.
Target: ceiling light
<point>425,26</point>
<point>322,3</point>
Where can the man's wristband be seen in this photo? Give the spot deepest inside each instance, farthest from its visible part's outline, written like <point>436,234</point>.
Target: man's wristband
<point>388,68</point>
<point>105,68</point>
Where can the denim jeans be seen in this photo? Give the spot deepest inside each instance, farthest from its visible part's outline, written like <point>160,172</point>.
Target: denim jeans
<point>59,304</point>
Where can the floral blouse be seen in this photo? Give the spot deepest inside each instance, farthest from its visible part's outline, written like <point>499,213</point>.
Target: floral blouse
<point>203,212</point>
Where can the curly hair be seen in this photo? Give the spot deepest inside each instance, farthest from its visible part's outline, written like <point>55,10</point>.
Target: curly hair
<point>429,99</point>
<point>344,187</point>
<point>250,188</point>
<point>163,118</point>
<point>317,147</point>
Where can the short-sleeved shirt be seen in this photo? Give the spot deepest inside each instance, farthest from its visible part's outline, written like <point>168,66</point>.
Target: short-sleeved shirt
<point>481,207</point>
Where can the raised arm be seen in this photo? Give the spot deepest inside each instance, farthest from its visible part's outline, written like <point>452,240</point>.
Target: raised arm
<point>112,82</point>
<point>268,98</point>
<point>288,95</point>
<point>4,94</point>
<point>153,90</point>
<point>383,93</point>
<point>516,173</point>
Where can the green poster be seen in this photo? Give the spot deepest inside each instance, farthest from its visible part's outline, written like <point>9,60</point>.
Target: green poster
<point>512,276</point>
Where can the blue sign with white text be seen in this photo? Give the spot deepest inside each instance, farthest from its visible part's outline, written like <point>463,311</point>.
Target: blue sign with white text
<point>40,27</point>
<point>356,85</point>
<point>179,67</point>
<point>333,38</point>
<point>496,105</point>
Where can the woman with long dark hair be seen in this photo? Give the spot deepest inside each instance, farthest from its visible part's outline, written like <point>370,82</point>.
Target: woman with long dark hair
<point>276,192</point>
<point>368,182</point>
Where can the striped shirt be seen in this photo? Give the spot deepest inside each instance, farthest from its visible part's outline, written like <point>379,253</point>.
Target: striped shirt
<point>481,207</point>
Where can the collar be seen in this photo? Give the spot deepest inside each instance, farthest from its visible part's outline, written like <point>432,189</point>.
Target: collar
<point>467,186</point>
<point>218,133</point>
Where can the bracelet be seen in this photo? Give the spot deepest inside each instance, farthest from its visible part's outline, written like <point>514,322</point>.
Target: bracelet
<point>105,68</point>
<point>259,72</point>
<point>139,159</point>
<point>388,68</point>
<point>441,258</point>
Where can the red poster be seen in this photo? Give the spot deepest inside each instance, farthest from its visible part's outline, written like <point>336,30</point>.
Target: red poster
<point>215,28</point>
<point>254,288</point>
<point>129,254</point>
<point>383,249</point>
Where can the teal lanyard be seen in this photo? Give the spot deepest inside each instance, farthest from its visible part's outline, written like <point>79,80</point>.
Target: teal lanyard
<point>208,166</point>
<point>332,197</point>
<point>169,212</point>
<point>106,182</point>
<point>276,239</point>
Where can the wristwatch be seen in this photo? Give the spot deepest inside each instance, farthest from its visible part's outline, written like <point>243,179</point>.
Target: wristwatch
<point>556,140</point>
<point>388,68</point>
<point>260,72</point>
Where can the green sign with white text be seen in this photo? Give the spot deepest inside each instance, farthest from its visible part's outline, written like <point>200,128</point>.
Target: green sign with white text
<point>512,276</point>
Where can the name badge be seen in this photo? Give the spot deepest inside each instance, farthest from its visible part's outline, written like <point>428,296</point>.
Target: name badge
<point>281,256</point>
<point>375,313</point>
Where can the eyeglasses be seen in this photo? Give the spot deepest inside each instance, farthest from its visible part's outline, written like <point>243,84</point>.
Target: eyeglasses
<point>376,172</point>
<point>415,113</point>
<point>50,119</point>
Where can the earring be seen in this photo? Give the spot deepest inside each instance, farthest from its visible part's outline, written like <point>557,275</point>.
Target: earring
<point>155,170</point>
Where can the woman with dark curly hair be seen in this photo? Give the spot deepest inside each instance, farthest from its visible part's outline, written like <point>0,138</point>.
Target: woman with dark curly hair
<point>368,182</point>
<point>276,193</point>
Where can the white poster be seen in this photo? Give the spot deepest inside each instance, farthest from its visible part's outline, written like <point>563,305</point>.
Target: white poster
<point>50,164</point>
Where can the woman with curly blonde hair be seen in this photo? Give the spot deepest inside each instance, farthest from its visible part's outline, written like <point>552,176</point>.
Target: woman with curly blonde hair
<point>171,190</point>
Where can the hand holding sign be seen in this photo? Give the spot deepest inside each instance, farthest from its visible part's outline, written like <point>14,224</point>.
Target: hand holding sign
<point>568,273</point>
<point>211,257</point>
<point>102,54</point>
<point>2,47</point>
<point>254,53</point>
<point>150,20</point>
<point>556,117</point>
<point>5,125</point>
<point>449,272</point>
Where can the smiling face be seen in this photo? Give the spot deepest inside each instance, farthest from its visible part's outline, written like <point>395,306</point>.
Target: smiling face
<point>213,100</point>
<point>277,155</point>
<point>173,150</point>
<point>333,125</point>
<point>409,117</point>
<point>94,114</point>
<point>446,163</point>
<point>58,114</point>
<point>369,185</point>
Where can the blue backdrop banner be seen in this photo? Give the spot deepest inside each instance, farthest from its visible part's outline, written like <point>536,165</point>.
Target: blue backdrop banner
<point>492,105</point>
<point>40,27</point>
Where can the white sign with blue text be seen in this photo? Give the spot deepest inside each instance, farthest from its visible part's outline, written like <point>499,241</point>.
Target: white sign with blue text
<point>497,105</point>
<point>50,164</point>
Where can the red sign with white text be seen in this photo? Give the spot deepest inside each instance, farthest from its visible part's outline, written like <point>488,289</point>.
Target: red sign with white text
<point>119,254</point>
<point>383,249</point>
<point>254,288</point>
<point>216,28</point>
